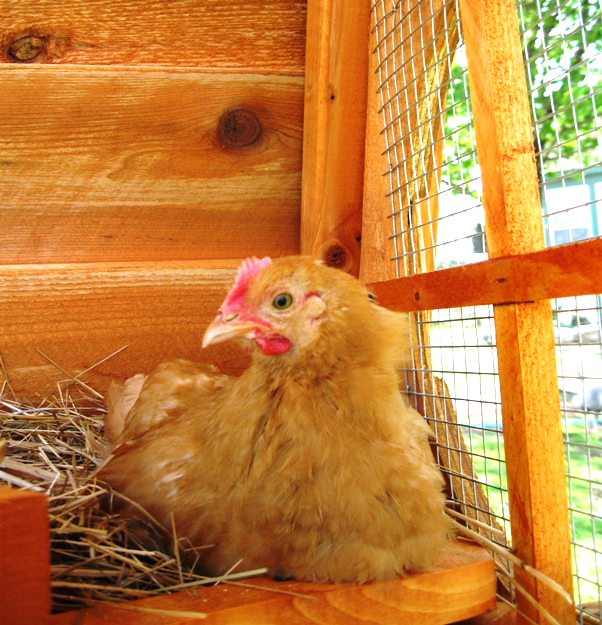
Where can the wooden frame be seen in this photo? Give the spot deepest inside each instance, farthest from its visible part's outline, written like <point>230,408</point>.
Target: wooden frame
<point>341,139</point>
<point>334,131</point>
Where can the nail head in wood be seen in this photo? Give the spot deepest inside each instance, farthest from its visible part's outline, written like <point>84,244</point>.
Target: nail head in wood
<point>26,48</point>
<point>239,128</point>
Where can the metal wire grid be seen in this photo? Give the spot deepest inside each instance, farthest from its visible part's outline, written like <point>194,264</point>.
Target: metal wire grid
<point>429,137</point>
<point>458,389</point>
<point>453,344</point>
<point>579,351</point>
<point>436,212</point>
<point>562,48</point>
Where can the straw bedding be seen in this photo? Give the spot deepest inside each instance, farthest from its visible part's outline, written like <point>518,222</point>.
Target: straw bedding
<point>53,446</point>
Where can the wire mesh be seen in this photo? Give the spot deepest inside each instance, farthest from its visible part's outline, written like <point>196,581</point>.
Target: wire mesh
<point>436,212</point>
<point>579,354</point>
<point>562,48</point>
<point>436,220</point>
<point>458,390</point>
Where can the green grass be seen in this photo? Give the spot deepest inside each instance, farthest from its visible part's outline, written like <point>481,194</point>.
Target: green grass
<point>583,457</point>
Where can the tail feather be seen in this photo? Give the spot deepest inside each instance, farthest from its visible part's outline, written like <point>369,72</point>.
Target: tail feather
<point>119,400</point>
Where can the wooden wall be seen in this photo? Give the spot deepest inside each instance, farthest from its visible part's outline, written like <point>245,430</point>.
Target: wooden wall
<point>123,144</point>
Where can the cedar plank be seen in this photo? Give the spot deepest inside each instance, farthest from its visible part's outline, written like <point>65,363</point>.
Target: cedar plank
<point>24,558</point>
<point>461,585</point>
<point>114,164</point>
<point>245,36</point>
<point>79,314</point>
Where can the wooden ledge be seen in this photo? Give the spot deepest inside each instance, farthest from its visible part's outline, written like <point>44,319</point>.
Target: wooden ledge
<point>560,271</point>
<point>462,585</point>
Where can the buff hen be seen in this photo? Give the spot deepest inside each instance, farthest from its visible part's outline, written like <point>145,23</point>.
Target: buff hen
<point>310,463</point>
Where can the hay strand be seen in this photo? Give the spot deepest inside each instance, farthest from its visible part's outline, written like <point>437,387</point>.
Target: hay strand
<point>504,552</point>
<point>55,447</point>
<point>72,377</point>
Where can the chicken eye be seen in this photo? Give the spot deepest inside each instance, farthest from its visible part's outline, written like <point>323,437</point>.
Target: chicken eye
<point>282,301</point>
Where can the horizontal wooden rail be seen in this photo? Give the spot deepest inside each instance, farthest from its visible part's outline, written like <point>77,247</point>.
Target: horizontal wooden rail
<point>572,269</point>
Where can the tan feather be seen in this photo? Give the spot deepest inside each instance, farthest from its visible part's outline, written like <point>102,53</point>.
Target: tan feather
<point>119,400</point>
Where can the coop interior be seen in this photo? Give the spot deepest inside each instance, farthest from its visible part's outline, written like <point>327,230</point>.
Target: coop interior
<point>446,152</point>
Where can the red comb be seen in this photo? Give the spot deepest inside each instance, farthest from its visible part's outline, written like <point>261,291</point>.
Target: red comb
<point>249,269</point>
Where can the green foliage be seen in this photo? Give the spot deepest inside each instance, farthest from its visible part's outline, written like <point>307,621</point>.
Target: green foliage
<point>562,48</point>
<point>460,145</point>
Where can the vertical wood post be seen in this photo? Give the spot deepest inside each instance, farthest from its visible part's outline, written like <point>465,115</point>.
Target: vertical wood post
<point>334,130</point>
<point>24,558</point>
<point>525,341</point>
<point>377,246</point>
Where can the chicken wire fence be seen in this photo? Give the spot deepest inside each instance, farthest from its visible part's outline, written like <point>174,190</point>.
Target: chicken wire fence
<point>437,220</point>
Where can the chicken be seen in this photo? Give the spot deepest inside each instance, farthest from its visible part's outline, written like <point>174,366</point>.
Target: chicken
<point>310,463</point>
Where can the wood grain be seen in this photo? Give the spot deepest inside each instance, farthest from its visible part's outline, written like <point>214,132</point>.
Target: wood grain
<point>101,165</point>
<point>334,131</point>
<point>24,558</point>
<point>574,269</point>
<point>525,341</point>
<point>377,247</point>
<point>502,615</point>
<point>533,446</point>
<point>249,35</point>
<point>503,132</point>
<point>462,585</point>
<point>79,314</point>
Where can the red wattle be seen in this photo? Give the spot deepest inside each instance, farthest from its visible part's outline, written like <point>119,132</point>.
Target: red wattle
<point>273,344</point>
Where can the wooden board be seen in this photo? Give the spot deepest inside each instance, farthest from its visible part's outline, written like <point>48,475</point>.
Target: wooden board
<point>525,341</point>
<point>251,35</point>
<point>101,165</point>
<point>504,614</point>
<point>377,246</point>
<point>462,585</point>
<point>574,269</point>
<point>24,558</point>
<point>334,131</point>
<point>79,314</point>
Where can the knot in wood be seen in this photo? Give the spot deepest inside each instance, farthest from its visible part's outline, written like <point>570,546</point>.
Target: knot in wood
<point>239,128</point>
<point>26,48</point>
<point>336,256</point>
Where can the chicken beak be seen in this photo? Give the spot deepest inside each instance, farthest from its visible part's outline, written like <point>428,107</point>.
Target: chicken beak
<point>221,330</point>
